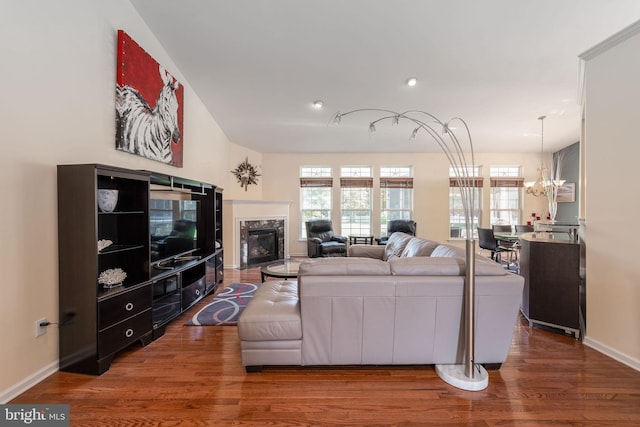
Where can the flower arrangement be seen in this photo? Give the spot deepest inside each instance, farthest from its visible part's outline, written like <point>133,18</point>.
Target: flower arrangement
<point>552,183</point>
<point>112,277</point>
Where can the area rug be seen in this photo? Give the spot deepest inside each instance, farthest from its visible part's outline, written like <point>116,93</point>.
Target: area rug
<point>226,306</point>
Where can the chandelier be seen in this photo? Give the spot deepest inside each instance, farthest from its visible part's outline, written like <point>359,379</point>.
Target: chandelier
<point>539,187</point>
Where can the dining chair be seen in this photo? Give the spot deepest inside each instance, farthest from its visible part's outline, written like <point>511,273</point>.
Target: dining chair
<point>487,240</point>
<point>501,228</point>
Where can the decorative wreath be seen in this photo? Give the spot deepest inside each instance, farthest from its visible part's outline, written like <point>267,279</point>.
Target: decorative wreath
<point>246,174</point>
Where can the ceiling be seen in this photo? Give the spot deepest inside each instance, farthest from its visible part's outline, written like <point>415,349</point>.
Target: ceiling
<point>258,65</point>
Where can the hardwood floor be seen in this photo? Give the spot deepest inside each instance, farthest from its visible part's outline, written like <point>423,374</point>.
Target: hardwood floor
<point>192,376</point>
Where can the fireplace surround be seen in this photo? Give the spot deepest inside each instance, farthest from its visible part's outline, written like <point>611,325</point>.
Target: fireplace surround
<point>261,240</point>
<point>254,214</point>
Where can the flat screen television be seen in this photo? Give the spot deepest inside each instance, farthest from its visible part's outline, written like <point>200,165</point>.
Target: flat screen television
<point>173,226</point>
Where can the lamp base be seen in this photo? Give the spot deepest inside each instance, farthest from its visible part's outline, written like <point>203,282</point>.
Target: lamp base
<point>454,375</point>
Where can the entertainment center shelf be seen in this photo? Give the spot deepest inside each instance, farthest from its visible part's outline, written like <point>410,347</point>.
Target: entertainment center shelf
<point>136,249</point>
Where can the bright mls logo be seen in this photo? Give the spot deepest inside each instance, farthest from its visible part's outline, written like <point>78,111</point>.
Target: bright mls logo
<point>34,415</point>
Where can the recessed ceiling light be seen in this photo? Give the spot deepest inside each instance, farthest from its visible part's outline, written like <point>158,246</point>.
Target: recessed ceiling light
<point>412,81</point>
<point>318,104</point>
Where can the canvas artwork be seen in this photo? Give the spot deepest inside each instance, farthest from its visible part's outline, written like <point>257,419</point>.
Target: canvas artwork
<point>149,105</point>
<point>567,192</point>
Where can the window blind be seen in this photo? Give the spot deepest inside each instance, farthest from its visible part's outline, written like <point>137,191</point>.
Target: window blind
<point>388,182</point>
<point>356,182</point>
<point>477,182</point>
<point>316,182</point>
<point>507,182</point>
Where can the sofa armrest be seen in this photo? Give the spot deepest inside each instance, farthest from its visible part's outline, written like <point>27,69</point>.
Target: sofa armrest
<point>341,239</point>
<point>366,251</point>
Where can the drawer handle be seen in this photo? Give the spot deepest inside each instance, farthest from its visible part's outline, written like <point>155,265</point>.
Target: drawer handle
<point>197,291</point>
<point>129,306</point>
<point>128,333</point>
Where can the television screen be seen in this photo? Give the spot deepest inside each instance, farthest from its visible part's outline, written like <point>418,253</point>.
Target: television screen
<point>173,225</point>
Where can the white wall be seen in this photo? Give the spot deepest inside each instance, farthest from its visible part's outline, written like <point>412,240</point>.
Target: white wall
<point>611,199</point>
<point>58,91</point>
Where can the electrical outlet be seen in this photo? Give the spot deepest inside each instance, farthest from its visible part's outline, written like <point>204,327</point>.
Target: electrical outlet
<point>41,330</point>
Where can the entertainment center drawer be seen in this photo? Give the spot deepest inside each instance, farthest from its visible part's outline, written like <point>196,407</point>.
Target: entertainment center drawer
<point>124,333</point>
<point>193,292</point>
<point>118,308</point>
<point>219,274</point>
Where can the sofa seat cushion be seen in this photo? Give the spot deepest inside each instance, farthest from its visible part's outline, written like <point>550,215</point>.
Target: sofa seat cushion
<point>350,266</point>
<point>441,266</point>
<point>272,314</point>
<point>419,247</point>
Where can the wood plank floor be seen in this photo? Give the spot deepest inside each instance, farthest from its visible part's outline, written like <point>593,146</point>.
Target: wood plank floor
<point>192,376</point>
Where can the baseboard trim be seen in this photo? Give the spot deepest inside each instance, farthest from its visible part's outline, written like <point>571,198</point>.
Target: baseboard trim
<point>612,353</point>
<point>24,385</point>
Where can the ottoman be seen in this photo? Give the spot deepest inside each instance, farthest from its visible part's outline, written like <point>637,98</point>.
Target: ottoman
<point>270,328</point>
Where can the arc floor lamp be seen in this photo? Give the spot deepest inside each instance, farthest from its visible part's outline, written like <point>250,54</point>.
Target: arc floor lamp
<point>467,376</point>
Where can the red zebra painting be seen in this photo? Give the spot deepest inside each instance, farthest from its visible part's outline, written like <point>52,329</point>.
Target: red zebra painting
<point>148,106</point>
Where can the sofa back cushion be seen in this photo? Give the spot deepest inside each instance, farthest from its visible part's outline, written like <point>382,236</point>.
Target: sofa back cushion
<point>419,247</point>
<point>427,266</point>
<point>442,266</point>
<point>448,251</point>
<point>396,244</point>
<point>344,267</point>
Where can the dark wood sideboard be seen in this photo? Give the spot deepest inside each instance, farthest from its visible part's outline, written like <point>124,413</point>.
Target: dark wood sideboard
<point>550,265</point>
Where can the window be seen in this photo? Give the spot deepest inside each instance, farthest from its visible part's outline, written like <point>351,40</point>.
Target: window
<point>356,187</point>
<point>505,197</point>
<point>396,195</point>
<point>315,195</point>
<point>457,228</point>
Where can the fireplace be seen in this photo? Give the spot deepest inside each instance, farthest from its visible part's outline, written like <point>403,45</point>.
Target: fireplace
<point>262,245</point>
<point>261,240</point>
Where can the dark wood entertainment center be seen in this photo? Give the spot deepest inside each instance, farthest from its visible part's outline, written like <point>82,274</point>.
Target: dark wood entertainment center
<point>97,321</point>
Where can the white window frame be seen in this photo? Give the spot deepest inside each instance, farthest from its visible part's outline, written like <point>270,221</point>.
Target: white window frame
<point>505,197</point>
<point>323,177</point>
<point>356,181</point>
<point>457,228</point>
<point>401,190</point>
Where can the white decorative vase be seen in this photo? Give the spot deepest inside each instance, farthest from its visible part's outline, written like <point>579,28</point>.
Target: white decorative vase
<point>107,200</point>
<point>553,209</point>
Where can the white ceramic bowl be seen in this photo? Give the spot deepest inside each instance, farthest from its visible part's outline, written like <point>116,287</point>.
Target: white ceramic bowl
<point>107,200</point>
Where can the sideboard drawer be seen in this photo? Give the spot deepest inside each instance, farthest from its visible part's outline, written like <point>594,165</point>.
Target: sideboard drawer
<point>124,333</point>
<point>120,307</point>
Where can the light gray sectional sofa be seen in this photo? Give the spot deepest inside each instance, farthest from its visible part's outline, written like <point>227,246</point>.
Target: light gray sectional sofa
<point>382,305</point>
